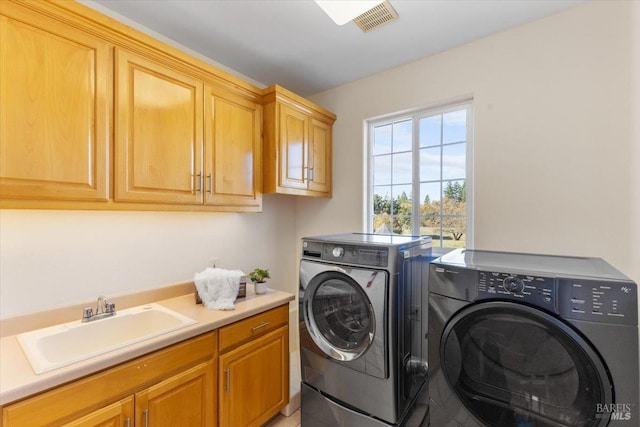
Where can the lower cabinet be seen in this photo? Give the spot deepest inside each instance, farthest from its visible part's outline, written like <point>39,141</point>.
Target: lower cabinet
<point>185,385</point>
<point>254,380</point>
<point>253,368</point>
<point>184,400</point>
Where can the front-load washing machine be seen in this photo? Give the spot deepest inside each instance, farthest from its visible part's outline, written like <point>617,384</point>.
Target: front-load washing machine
<point>520,340</point>
<point>363,332</point>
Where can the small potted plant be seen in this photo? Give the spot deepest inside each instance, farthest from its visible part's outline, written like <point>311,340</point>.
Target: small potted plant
<point>259,278</point>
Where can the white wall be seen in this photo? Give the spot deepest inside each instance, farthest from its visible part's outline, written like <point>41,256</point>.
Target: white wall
<point>53,259</point>
<point>553,134</point>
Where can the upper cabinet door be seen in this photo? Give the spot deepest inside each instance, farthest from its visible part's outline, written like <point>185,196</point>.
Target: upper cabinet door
<point>54,109</point>
<point>159,122</point>
<point>233,150</point>
<point>320,157</point>
<point>294,145</point>
<point>297,145</point>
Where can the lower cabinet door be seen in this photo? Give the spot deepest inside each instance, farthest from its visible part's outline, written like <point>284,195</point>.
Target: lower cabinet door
<point>254,380</point>
<point>118,414</point>
<point>185,400</point>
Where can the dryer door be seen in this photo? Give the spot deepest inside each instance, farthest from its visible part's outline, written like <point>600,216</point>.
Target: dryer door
<point>514,365</point>
<point>339,315</point>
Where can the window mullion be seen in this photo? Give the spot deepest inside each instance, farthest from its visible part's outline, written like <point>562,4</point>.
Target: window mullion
<point>415,179</point>
<point>441,182</point>
<point>392,194</point>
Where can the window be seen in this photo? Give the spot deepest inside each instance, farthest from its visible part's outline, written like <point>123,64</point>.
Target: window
<point>419,175</point>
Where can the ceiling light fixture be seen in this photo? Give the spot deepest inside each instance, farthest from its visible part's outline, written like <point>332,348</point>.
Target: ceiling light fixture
<point>343,11</point>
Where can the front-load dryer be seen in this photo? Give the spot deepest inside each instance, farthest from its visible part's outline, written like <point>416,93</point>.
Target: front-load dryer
<point>520,340</point>
<point>363,347</point>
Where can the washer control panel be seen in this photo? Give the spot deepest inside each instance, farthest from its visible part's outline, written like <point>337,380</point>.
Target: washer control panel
<point>536,290</point>
<point>345,253</point>
<point>353,254</point>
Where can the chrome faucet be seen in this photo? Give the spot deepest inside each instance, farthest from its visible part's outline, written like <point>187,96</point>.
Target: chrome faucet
<point>104,308</point>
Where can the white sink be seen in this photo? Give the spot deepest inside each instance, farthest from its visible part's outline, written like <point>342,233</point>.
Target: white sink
<point>61,345</point>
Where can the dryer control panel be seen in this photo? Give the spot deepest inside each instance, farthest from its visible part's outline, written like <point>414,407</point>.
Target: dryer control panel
<point>575,288</point>
<point>535,290</point>
<point>598,300</point>
<point>580,299</point>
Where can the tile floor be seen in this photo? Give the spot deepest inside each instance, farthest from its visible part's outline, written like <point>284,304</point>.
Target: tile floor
<point>282,421</point>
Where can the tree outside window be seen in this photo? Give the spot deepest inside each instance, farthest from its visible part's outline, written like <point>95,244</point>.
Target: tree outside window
<point>424,158</point>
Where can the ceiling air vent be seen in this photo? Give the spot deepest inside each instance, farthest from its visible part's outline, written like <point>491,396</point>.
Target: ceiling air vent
<point>376,17</point>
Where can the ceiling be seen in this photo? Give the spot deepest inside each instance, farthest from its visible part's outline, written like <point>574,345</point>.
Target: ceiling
<point>295,44</point>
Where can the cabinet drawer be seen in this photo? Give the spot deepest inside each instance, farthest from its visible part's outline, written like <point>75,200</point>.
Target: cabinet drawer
<point>255,326</point>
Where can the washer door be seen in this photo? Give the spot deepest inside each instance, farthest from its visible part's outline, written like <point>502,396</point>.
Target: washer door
<point>339,315</point>
<point>514,365</point>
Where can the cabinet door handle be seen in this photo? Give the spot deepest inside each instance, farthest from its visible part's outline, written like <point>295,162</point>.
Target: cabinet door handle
<point>145,414</point>
<point>260,326</point>
<point>310,174</point>
<point>227,380</point>
<point>200,182</point>
<point>210,179</point>
<point>127,422</point>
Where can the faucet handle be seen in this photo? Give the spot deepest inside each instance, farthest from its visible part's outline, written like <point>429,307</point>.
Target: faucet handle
<point>87,313</point>
<point>109,307</point>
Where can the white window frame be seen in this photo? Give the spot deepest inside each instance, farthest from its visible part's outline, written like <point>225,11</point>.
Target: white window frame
<point>415,116</point>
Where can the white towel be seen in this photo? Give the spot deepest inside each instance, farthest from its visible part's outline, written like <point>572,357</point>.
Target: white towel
<point>218,288</point>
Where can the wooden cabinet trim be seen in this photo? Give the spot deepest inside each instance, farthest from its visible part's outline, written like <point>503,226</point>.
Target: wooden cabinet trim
<point>277,93</point>
<point>92,392</point>
<point>112,205</point>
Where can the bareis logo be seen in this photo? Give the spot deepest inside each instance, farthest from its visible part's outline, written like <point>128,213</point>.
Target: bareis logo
<point>618,411</point>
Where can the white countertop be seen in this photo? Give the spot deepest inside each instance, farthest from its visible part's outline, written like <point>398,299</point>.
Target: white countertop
<point>18,380</point>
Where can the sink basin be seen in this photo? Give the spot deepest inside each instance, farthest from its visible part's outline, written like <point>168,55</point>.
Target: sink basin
<point>61,345</point>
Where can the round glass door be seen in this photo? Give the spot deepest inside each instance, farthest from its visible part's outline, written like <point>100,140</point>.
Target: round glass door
<point>338,315</point>
<point>514,365</point>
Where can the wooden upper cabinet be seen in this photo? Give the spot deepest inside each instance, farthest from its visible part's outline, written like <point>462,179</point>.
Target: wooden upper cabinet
<point>297,146</point>
<point>158,132</point>
<point>233,150</point>
<point>55,85</point>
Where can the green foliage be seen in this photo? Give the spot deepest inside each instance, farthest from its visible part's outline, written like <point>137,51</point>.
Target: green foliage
<point>400,208</point>
<point>258,275</point>
<point>452,208</point>
<point>456,191</point>
<point>381,205</point>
